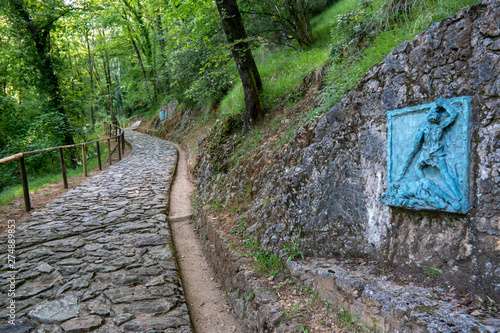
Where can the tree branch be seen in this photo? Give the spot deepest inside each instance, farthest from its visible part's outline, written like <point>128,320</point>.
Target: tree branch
<point>55,19</point>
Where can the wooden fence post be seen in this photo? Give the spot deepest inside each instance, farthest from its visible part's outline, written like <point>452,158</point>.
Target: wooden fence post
<point>119,146</point>
<point>99,155</point>
<point>24,179</point>
<point>63,168</point>
<point>110,152</point>
<point>123,141</point>
<point>84,158</point>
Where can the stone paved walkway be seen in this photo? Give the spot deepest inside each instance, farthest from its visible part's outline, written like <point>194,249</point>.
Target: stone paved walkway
<point>101,256</point>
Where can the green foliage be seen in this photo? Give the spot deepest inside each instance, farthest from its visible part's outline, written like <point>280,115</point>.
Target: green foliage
<point>349,321</point>
<point>196,78</point>
<point>282,22</point>
<point>218,136</point>
<point>125,57</point>
<point>293,249</point>
<point>432,271</point>
<point>282,70</point>
<point>371,38</point>
<point>249,141</point>
<point>267,263</point>
<point>290,132</point>
<point>216,205</point>
<point>249,297</point>
<point>488,305</point>
<point>349,31</point>
<point>241,227</point>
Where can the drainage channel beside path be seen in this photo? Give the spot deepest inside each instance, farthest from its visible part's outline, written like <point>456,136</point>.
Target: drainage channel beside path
<point>206,302</point>
<point>99,258</point>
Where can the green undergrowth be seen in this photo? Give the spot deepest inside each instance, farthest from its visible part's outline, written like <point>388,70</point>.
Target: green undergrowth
<point>351,37</point>
<point>365,32</point>
<point>376,32</point>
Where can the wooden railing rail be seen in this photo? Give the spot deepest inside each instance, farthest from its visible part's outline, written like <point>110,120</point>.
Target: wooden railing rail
<point>113,132</point>
<point>130,121</point>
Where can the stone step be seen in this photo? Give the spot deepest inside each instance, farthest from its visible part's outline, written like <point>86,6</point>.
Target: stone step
<point>384,305</point>
<point>180,218</point>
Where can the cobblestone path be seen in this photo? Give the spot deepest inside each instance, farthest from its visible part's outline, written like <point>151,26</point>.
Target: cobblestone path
<point>100,258</point>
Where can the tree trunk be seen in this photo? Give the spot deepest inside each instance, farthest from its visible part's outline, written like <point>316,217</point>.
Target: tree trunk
<point>138,53</point>
<point>249,74</point>
<point>302,29</point>
<point>91,75</point>
<point>163,82</point>
<point>48,84</point>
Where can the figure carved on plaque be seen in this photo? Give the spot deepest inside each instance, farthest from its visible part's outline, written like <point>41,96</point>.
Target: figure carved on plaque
<point>429,142</point>
<point>425,180</point>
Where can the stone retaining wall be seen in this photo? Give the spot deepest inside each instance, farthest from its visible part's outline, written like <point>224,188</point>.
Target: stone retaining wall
<point>326,184</point>
<point>332,193</point>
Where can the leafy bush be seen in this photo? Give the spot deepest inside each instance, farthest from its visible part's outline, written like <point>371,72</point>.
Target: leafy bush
<point>350,31</point>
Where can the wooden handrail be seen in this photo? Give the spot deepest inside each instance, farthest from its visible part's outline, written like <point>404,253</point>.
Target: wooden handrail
<point>11,158</point>
<point>19,155</point>
<point>120,137</point>
<point>130,121</point>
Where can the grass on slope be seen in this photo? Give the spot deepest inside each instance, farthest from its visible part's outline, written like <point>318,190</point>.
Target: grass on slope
<point>282,72</point>
<point>346,74</point>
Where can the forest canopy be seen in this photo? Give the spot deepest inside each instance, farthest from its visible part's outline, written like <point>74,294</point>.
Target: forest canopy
<point>67,64</point>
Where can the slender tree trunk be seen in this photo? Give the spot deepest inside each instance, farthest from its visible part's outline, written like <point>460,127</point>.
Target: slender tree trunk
<point>107,76</point>
<point>302,28</point>
<point>91,76</point>
<point>163,76</point>
<point>249,74</point>
<point>42,61</point>
<point>119,94</point>
<point>138,53</point>
<point>109,88</point>
<point>48,84</point>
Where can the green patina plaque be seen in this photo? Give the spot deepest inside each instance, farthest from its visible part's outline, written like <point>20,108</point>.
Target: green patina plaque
<point>428,156</point>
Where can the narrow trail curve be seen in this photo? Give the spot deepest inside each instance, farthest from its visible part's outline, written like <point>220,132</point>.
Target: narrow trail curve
<point>99,258</point>
<point>205,300</point>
